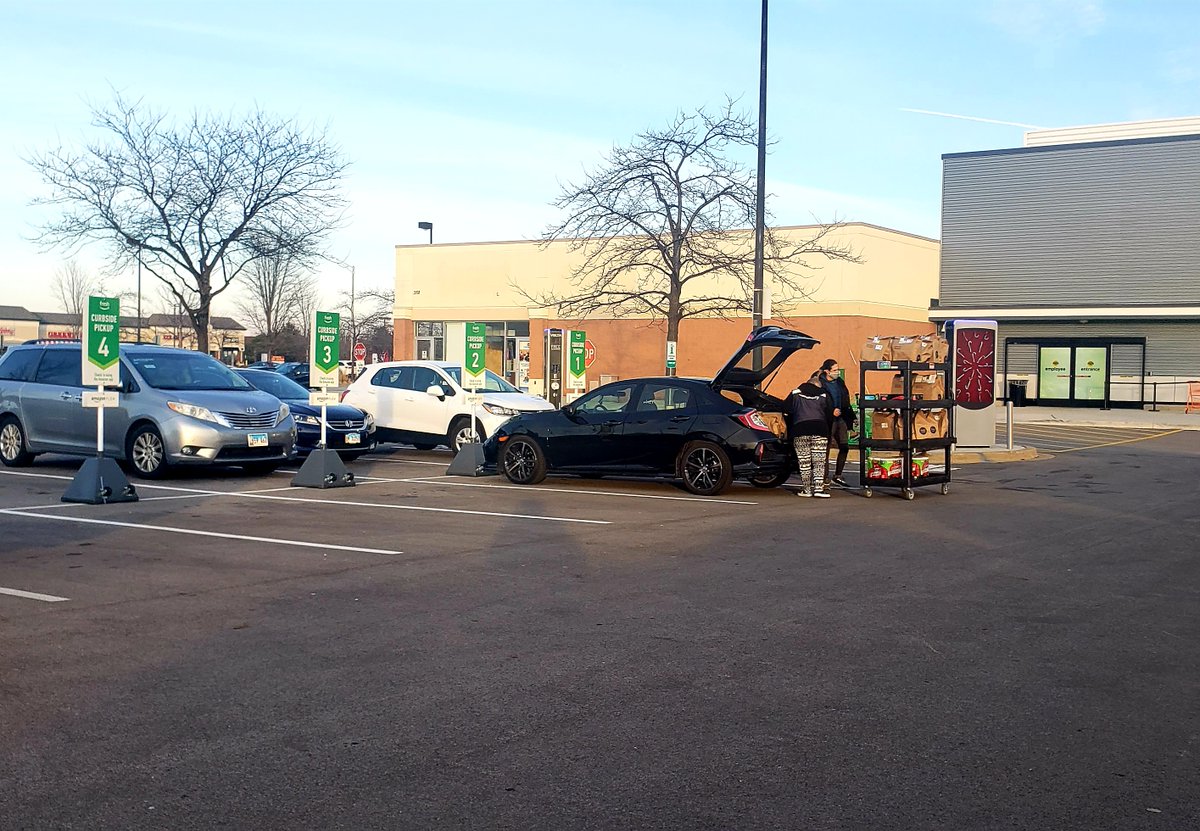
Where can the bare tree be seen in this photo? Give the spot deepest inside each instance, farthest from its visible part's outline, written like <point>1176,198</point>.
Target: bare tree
<point>73,286</point>
<point>307,302</point>
<point>656,228</point>
<point>378,304</point>
<point>272,297</point>
<point>199,203</point>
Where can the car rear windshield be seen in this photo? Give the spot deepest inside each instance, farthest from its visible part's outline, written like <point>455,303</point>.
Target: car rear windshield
<point>491,381</point>
<point>277,385</point>
<point>187,371</point>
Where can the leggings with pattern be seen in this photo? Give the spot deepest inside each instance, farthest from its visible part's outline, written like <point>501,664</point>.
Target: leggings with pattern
<point>811,454</point>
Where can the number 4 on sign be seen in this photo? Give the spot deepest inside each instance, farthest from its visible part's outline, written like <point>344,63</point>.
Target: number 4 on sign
<point>102,349</point>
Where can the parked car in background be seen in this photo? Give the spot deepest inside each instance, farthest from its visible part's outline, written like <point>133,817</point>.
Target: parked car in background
<point>704,433</point>
<point>348,430</point>
<point>424,403</point>
<point>267,365</point>
<point>176,407</point>
<point>295,370</point>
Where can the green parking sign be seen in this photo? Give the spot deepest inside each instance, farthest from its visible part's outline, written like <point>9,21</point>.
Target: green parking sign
<point>577,359</point>
<point>102,342</point>
<point>475,358</point>
<point>325,349</point>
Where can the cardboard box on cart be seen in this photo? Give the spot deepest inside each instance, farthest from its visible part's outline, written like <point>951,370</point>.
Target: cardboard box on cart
<point>885,425</point>
<point>926,386</point>
<point>930,424</point>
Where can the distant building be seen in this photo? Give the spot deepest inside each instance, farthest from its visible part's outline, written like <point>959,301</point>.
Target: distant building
<point>440,288</point>
<point>226,337</point>
<point>1082,245</point>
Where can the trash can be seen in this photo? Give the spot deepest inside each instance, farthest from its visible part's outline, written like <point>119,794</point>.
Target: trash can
<point>1016,392</point>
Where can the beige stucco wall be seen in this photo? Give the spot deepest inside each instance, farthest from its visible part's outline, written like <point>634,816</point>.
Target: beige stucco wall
<point>477,281</point>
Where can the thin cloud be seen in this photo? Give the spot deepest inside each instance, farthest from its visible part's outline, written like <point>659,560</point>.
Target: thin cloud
<point>971,118</point>
<point>1046,22</point>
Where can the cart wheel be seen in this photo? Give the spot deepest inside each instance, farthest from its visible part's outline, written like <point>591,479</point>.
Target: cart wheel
<point>909,493</point>
<point>867,492</point>
<point>945,488</point>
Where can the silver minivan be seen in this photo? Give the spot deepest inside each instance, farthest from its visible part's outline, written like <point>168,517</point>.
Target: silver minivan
<point>177,407</point>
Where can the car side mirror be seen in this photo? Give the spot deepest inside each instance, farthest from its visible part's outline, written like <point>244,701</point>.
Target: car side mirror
<point>568,410</point>
<point>436,391</point>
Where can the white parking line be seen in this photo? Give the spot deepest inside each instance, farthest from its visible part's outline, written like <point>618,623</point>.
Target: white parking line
<point>428,480</point>
<point>46,598</point>
<point>412,462</point>
<point>191,531</point>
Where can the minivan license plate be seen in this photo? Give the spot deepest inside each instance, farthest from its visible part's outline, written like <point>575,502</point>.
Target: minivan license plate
<point>257,439</point>
<point>352,438</point>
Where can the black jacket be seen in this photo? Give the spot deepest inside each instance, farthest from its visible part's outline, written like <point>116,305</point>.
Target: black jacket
<point>839,396</point>
<point>810,412</point>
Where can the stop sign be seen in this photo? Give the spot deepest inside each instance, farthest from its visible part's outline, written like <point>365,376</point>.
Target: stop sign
<point>589,353</point>
<point>360,352</point>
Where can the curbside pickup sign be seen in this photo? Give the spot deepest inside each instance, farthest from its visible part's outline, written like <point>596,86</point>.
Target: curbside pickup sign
<point>475,357</point>
<point>325,349</point>
<point>577,360</point>
<point>102,342</point>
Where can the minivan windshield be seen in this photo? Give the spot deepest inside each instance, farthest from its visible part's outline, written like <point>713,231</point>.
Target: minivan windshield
<point>491,381</point>
<point>186,371</point>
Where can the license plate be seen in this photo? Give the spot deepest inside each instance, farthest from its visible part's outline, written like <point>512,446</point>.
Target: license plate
<point>353,438</point>
<point>257,439</point>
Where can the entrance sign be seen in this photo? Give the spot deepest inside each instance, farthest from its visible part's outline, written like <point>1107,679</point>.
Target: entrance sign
<point>577,360</point>
<point>1091,371</point>
<point>325,349</point>
<point>672,347</point>
<point>102,342</point>
<point>475,359</point>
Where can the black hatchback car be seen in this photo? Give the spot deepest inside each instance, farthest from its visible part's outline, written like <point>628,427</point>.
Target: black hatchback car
<point>704,433</point>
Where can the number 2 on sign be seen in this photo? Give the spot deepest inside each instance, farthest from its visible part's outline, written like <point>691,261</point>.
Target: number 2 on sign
<point>475,360</point>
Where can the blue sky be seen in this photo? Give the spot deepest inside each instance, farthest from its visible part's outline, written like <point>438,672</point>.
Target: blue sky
<point>470,114</point>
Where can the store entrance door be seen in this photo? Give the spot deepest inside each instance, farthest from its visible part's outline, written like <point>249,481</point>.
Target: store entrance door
<point>1073,376</point>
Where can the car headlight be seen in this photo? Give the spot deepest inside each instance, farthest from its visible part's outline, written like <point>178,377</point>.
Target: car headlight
<point>311,420</point>
<point>370,421</point>
<point>496,409</point>
<point>202,413</point>
<point>284,412</point>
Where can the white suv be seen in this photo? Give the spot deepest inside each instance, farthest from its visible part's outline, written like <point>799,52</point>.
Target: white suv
<point>423,403</point>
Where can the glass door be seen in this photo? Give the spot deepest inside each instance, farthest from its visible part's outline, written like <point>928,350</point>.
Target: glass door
<point>1072,375</point>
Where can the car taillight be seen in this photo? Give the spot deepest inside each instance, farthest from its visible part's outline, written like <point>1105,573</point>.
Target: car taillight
<point>342,397</point>
<point>752,419</point>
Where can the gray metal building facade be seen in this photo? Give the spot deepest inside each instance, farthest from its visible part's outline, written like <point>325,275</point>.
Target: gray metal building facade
<point>1079,251</point>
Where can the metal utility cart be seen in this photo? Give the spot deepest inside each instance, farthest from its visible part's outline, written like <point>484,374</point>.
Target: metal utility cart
<point>906,408</point>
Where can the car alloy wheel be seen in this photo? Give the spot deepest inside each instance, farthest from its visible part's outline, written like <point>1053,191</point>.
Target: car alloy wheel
<point>704,468</point>
<point>147,453</point>
<point>461,433</point>
<point>523,462</point>
<point>12,444</point>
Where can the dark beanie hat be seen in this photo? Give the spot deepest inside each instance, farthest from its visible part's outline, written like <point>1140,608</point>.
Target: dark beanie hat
<point>830,363</point>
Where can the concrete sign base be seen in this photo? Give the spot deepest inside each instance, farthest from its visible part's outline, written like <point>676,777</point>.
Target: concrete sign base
<point>99,482</point>
<point>323,469</point>
<point>467,461</point>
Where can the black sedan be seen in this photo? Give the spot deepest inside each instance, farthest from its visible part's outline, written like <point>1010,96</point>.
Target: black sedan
<point>298,371</point>
<point>684,428</point>
<point>348,430</point>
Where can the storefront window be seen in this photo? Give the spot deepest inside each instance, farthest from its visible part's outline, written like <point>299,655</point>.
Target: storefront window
<point>431,340</point>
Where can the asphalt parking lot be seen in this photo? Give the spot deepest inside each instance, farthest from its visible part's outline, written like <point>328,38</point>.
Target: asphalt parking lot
<point>427,652</point>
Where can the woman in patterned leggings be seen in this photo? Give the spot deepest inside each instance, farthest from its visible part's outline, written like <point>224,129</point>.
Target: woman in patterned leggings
<point>810,417</point>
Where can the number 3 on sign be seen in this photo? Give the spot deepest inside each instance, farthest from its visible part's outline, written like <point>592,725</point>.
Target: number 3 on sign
<point>328,354</point>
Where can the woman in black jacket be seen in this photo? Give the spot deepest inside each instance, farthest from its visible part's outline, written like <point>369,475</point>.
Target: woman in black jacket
<point>810,416</point>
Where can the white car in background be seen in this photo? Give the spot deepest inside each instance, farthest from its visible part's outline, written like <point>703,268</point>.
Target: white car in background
<point>424,403</point>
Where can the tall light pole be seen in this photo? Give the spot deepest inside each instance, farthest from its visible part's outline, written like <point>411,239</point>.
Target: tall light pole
<point>760,206</point>
<point>138,245</point>
<point>427,226</point>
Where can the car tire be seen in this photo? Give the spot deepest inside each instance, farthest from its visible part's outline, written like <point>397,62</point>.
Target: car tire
<point>704,468</point>
<point>770,480</point>
<point>424,445</point>
<point>261,468</point>
<point>13,450</point>
<point>146,452</point>
<point>460,433</point>
<point>523,461</point>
